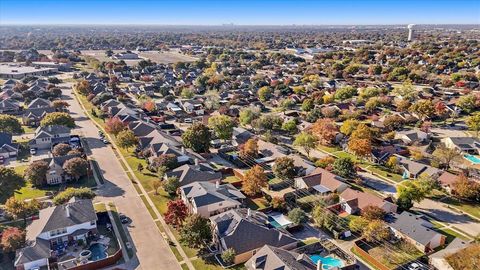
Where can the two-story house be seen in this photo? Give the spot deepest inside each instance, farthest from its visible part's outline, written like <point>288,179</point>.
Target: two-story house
<point>48,136</point>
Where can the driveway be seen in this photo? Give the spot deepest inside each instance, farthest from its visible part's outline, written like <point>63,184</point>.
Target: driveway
<point>449,216</point>
<point>151,248</point>
<point>377,183</point>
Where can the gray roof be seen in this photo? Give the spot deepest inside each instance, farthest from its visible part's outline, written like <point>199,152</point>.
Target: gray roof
<point>205,193</point>
<point>80,211</point>
<point>269,257</point>
<point>412,226</point>
<point>245,232</point>
<point>39,249</point>
<point>38,103</point>
<point>188,174</point>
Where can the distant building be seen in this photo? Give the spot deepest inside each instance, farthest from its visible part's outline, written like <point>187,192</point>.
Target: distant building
<point>125,56</point>
<point>14,71</point>
<point>410,32</point>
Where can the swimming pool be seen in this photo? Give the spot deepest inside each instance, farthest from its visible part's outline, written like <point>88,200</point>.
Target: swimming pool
<point>472,158</point>
<point>98,251</point>
<point>327,262</point>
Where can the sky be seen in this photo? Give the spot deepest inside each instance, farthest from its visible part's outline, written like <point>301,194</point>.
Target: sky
<point>240,12</point>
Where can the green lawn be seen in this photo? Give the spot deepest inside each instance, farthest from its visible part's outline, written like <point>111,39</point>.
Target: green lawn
<point>371,266</point>
<point>396,255</point>
<point>149,208</point>
<point>210,263</point>
<point>231,179</point>
<point>382,171</point>
<point>100,207</point>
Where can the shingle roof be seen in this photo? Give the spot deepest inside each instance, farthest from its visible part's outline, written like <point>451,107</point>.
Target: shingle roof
<point>269,257</point>
<point>80,211</point>
<point>189,173</point>
<point>410,225</point>
<point>244,232</point>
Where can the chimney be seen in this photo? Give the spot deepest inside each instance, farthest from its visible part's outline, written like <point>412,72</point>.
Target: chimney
<point>49,128</point>
<point>217,184</point>
<point>196,161</point>
<point>248,212</point>
<point>319,265</point>
<point>183,150</point>
<point>67,210</point>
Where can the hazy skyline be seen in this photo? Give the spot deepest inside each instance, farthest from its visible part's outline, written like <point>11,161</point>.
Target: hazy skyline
<point>246,12</point>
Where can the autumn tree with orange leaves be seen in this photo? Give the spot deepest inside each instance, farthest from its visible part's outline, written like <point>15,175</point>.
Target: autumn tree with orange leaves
<point>325,129</point>
<point>254,180</point>
<point>114,125</point>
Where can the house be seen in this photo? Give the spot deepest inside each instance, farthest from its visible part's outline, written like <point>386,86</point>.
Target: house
<point>48,136</point>
<point>208,199</point>
<point>354,201</point>
<point>247,231</point>
<point>412,136</point>
<point>33,116</point>
<point>415,230</point>
<point>321,181</point>
<point>188,174</point>
<point>413,169</point>
<point>240,136</point>
<point>468,145</point>
<point>56,174</point>
<point>447,180</point>
<point>9,107</point>
<point>7,148</point>
<point>125,56</point>
<point>269,257</point>
<point>56,228</point>
<point>39,103</point>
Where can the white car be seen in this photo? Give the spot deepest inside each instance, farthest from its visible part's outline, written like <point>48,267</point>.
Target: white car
<point>414,266</point>
<point>33,151</point>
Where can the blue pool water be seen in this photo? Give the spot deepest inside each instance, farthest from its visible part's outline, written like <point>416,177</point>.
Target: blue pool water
<point>98,252</point>
<point>473,159</point>
<point>327,262</point>
<point>274,223</point>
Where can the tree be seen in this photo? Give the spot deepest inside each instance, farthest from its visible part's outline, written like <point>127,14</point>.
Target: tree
<point>264,93</point>
<point>376,230</point>
<point>228,256</point>
<point>325,130</point>
<point>10,124</point>
<point>360,147</point>
<point>249,150</point>
<point>197,137</point>
<point>149,105</point>
<point>284,168</point>
<point>307,105</point>
<point>467,103</point>
<point>344,167</point>
<point>76,167</point>
<point>21,209</point>
<point>372,212</point>
<point>114,125</point>
<point>466,189</point>
<point>61,149</point>
<point>60,104</point>
<point>126,139</point>
<point>297,216</point>
<point>187,93</point>
<point>404,202</point>
<point>83,87</point>
<point>12,239</point>
<point>57,118</point>
<point>168,161</point>
<point>305,140</point>
<point>67,194</point>
<point>349,126</point>
<point>406,91</point>
<point>278,203</point>
<point>412,191</point>
<point>473,123</point>
<point>156,185</point>
<point>358,224</point>
<point>446,155</point>
<point>247,115</point>
<point>176,213</point>
<point>393,122</point>
<point>171,185</point>
<point>345,93</point>
<point>424,108</point>
<point>362,132</point>
<point>466,258</point>
<point>222,125</point>
<point>254,180</point>
<point>9,179</point>
<point>36,172</point>
<point>196,231</point>
<point>290,126</point>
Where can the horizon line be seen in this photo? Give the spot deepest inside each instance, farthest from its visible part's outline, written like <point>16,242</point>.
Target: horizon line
<point>223,24</point>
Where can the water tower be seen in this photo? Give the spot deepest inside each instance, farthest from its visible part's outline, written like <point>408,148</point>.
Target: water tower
<point>410,31</point>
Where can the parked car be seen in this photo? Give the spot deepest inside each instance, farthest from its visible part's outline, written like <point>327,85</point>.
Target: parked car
<point>123,219</point>
<point>33,151</point>
<point>105,141</point>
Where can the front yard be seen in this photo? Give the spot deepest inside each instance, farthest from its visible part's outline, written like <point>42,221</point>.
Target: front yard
<point>395,255</point>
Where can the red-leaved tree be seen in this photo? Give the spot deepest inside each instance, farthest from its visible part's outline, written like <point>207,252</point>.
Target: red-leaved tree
<point>114,125</point>
<point>177,212</point>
